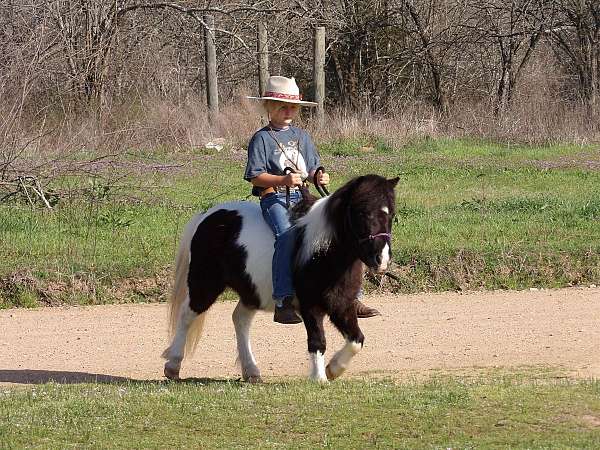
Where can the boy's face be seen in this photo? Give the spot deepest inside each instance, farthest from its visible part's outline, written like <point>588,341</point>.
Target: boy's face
<point>282,114</point>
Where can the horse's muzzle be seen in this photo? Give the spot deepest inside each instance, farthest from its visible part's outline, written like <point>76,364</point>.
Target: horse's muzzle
<point>383,259</point>
<point>378,263</point>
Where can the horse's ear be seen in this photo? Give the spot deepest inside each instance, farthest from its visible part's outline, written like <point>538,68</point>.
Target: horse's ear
<point>393,182</point>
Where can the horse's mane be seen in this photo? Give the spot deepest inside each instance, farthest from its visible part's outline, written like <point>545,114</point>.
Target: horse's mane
<point>302,207</point>
<point>324,220</point>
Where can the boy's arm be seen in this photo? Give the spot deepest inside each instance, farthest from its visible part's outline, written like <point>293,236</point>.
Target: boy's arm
<point>266,180</point>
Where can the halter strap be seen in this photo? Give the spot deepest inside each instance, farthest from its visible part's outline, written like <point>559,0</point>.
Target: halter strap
<point>372,237</point>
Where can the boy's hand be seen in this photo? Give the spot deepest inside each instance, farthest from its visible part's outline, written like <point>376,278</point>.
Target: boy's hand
<point>292,179</point>
<point>323,178</point>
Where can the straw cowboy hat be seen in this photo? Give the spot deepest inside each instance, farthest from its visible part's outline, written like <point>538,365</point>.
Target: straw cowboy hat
<point>282,89</point>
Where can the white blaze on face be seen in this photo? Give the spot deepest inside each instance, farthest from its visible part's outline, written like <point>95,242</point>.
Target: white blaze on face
<point>385,251</point>
<point>385,258</point>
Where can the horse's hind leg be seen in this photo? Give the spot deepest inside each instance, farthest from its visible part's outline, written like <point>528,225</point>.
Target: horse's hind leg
<point>175,352</point>
<point>242,319</point>
<point>346,322</point>
<point>190,320</point>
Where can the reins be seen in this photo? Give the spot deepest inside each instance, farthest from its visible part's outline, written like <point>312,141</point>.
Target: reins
<point>320,187</point>
<point>286,171</point>
<point>324,192</point>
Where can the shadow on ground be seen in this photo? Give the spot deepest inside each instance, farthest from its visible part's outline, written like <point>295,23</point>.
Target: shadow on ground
<point>56,376</point>
<point>62,377</point>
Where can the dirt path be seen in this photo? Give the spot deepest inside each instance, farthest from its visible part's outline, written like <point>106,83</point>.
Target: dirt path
<point>416,334</point>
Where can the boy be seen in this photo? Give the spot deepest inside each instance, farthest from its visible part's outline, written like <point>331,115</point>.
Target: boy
<point>271,150</point>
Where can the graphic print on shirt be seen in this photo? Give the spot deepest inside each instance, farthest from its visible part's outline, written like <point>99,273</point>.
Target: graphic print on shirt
<point>290,156</point>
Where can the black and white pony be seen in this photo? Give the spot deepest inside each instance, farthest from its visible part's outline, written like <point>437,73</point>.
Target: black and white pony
<point>230,245</point>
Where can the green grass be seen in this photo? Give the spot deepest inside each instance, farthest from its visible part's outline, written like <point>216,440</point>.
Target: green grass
<point>471,215</point>
<point>446,412</point>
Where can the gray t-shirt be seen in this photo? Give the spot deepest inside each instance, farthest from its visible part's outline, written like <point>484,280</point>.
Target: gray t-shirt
<point>272,150</point>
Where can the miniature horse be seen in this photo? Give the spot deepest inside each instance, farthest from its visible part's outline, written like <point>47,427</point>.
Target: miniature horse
<point>231,245</point>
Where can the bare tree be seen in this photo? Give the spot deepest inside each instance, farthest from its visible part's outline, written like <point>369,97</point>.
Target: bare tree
<point>577,41</point>
<point>513,28</point>
<point>356,30</point>
<point>379,53</point>
<point>88,30</point>
<point>423,29</point>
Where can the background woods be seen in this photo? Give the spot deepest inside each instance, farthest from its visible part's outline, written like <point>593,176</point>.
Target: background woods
<point>105,74</point>
<point>61,54</point>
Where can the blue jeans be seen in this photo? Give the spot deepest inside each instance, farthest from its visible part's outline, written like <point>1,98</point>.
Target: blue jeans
<point>276,215</point>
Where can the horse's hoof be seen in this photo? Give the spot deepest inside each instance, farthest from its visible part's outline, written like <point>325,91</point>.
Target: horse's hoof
<point>334,372</point>
<point>320,380</point>
<point>254,379</point>
<point>171,373</point>
<point>330,375</point>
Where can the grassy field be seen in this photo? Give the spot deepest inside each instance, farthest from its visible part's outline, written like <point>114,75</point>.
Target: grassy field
<point>471,215</point>
<point>498,411</point>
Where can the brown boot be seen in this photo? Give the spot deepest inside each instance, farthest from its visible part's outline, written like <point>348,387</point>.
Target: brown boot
<point>363,311</point>
<point>286,312</point>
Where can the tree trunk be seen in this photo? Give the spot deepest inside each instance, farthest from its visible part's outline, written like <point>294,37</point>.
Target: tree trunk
<point>440,98</point>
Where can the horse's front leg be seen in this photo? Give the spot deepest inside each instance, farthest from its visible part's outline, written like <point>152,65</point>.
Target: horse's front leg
<point>313,321</point>
<point>347,323</point>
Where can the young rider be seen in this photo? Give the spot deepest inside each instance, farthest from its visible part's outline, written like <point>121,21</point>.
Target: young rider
<point>273,149</point>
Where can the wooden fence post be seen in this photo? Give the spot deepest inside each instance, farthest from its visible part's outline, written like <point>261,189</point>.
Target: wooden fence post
<point>212,94</point>
<point>263,58</point>
<point>319,73</point>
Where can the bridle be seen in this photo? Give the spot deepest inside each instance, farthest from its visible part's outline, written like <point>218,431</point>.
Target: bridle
<point>320,187</point>
<point>324,193</point>
<point>372,237</point>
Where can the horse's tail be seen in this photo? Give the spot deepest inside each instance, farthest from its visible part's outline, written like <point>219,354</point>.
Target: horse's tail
<point>180,291</point>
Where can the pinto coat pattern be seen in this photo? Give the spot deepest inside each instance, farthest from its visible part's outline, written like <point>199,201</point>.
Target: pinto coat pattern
<point>230,245</point>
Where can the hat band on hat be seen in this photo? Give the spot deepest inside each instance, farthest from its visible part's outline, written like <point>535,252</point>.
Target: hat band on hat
<point>280,95</point>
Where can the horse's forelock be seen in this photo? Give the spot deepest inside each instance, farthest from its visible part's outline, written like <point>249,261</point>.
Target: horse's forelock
<point>371,188</point>
<point>364,192</point>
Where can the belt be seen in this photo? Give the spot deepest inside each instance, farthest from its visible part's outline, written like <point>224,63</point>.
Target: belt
<point>278,189</point>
